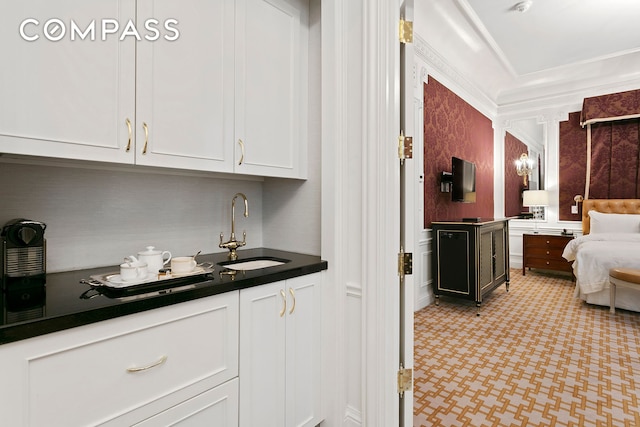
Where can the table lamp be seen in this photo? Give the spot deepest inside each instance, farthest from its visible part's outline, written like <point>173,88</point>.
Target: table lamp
<point>535,199</point>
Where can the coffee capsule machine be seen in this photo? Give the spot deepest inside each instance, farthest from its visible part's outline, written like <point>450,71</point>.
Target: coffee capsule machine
<point>23,269</point>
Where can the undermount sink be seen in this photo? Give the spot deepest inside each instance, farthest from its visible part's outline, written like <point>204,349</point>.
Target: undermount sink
<point>254,263</point>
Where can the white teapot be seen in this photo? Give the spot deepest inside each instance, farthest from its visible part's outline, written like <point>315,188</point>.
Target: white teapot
<point>155,259</point>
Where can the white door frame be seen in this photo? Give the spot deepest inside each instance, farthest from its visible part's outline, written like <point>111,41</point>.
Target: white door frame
<point>360,199</point>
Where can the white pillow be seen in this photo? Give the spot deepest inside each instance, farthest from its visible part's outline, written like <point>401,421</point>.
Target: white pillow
<point>614,223</point>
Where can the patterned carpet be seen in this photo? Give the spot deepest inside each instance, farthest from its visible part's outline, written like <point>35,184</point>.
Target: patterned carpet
<point>534,357</point>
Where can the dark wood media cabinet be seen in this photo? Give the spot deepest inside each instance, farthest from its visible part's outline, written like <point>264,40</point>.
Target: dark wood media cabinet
<point>470,259</point>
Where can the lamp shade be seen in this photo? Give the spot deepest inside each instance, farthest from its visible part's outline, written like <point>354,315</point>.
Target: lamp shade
<point>535,198</point>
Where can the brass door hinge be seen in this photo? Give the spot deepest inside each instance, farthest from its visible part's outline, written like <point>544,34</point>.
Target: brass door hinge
<point>405,263</point>
<point>405,32</point>
<point>405,380</point>
<point>405,147</point>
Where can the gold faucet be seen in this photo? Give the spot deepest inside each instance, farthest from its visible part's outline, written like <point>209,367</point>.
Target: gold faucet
<point>233,244</point>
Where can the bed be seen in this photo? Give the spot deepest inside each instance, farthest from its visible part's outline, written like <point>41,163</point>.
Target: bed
<point>611,238</point>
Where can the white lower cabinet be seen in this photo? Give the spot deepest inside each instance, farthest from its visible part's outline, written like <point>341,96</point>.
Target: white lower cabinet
<point>248,358</point>
<point>174,364</point>
<point>280,353</point>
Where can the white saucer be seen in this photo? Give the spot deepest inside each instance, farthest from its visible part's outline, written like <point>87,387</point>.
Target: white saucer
<point>197,270</point>
<point>116,279</point>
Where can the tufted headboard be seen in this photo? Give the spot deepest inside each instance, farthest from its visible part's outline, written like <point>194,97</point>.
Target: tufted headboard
<point>620,206</point>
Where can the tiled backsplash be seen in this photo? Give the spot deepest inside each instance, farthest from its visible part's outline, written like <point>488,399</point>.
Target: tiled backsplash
<point>95,217</point>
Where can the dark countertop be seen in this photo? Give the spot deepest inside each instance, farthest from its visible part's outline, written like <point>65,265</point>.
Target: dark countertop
<point>67,303</point>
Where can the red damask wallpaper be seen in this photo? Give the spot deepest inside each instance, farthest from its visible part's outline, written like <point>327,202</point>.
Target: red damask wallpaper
<point>452,127</point>
<point>513,184</point>
<point>573,165</point>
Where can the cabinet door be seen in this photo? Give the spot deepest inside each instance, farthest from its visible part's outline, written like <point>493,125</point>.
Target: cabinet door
<point>453,262</point>
<point>262,355</point>
<point>69,98</point>
<point>217,407</point>
<point>271,87</point>
<point>493,256</point>
<point>500,248</point>
<point>185,86</point>
<point>303,351</point>
<point>280,353</point>
<point>486,258</point>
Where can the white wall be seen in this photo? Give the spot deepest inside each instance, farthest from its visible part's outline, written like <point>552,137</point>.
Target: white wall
<point>342,71</point>
<point>292,209</point>
<point>97,216</point>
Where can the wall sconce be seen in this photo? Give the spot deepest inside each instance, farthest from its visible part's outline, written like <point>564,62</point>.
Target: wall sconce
<point>578,199</point>
<point>446,182</point>
<point>524,167</point>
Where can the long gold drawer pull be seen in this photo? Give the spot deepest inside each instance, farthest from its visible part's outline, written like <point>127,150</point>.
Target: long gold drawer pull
<point>284,302</point>
<point>293,295</point>
<point>128,122</point>
<point>145,368</point>
<point>146,137</point>
<point>241,152</point>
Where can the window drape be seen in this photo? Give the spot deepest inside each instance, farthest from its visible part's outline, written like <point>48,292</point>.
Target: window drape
<point>613,145</point>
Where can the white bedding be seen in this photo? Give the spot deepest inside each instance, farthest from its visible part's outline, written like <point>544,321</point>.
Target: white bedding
<point>593,255</point>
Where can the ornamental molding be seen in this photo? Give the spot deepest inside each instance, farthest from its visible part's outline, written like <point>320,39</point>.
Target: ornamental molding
<point>463,87</point>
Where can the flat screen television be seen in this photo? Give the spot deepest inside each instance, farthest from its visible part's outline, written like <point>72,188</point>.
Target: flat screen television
<point>464,181</point>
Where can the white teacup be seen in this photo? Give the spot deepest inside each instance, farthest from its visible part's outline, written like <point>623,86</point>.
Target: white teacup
<point>132,271</point>
<point>183,265</point>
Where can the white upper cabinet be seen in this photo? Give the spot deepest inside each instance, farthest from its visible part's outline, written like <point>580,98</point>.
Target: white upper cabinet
<point>185,87</point>
<point>272,87</point>
<point>217,86</point>
<point>66,98</point>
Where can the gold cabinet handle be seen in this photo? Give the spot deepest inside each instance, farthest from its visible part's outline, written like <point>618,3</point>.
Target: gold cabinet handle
<point>147,367</point>
<point>128,122</point>
<point>284,302</point>
<point>146,137</point>
<point>293,296</point>
<point>241,152</point>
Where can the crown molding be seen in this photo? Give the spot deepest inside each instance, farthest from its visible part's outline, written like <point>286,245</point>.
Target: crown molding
<point>451,77</point>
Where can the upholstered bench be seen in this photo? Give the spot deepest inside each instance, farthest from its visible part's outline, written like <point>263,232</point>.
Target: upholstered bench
<point>625,277</point>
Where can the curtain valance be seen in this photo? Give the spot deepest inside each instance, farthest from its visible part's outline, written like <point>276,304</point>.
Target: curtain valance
<point>614,106</point>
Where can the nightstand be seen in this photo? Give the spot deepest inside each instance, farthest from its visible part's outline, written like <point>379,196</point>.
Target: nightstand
<point>545,251</point>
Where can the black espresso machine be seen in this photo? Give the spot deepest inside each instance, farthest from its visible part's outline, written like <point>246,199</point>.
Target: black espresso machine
<point>23,267</point>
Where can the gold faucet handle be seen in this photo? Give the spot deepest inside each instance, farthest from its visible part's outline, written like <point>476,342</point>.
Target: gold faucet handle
<point>244,238</point>
<point>221,239</point>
